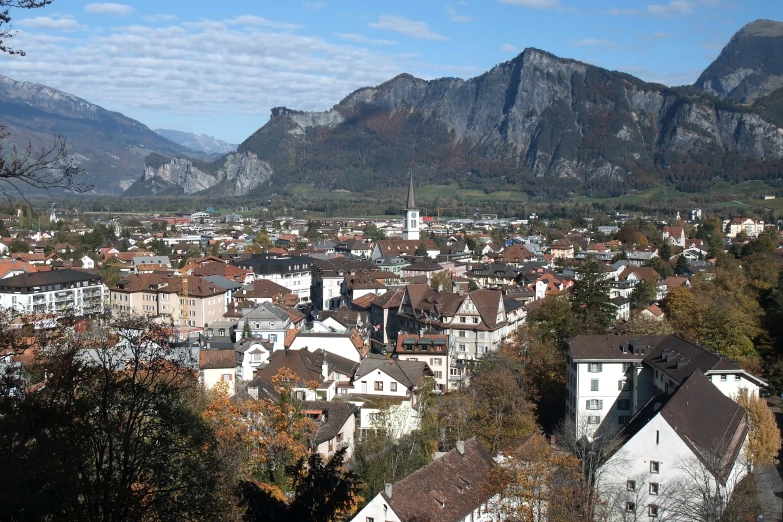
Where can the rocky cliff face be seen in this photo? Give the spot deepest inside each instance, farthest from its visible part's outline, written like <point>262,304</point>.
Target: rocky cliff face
<point>750,66</point>
<point>238,174</point>
<point>532,117</point>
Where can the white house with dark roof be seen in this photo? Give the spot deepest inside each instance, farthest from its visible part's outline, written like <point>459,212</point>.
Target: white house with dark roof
<point>675,449</point>
<point>336,421</point>
<point>267,322</point>
<point>610,377</point>
<point>64,292</point>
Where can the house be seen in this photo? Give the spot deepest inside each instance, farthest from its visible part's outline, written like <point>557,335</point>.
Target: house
<point>343,319</point>
<point>354,247</point>
<point>348,345</point>
<point>425,267</point>
<point>675,448</point>
<point>64,292</point>
<point>404,248</point>
<point>433,349</point>
<point>149,264</point>
<point>380,382</point>
<point>218,366</point>
<point>267,322</point>
<point>653,312</point>
<point>262,291</point>
<point>610,378</point>
<point>383,317</point>
<point>562,249</point>
<point>254,354</point>
<point>336,421</point>
<point>675,236</point>
<point>451,488</point>
<point>516,255</point>
<point>328,276</point>
<point>358,285</point>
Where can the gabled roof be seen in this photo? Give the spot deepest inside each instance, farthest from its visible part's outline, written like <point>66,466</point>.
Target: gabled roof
<point>642,272</point>
<point>447,489</point>
<point>390,299</point>
<point>217,359</point>
<point>265,312</point>
<point>489,304</point>
<point>336,414</point>
<point>407,373</point>
<point>305,364</point>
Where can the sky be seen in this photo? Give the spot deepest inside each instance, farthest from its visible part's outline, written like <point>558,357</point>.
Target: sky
<point>219,67</point>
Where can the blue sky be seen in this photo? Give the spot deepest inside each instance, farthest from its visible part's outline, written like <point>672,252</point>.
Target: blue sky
<point>218,67</point>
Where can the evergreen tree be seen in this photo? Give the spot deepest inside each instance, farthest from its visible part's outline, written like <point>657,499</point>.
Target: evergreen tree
<point>421,250</point>
<point>590,302</point>
<point>665,251</point>
<point>682,265</point>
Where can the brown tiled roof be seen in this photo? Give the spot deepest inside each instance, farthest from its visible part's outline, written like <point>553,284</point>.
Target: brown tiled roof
<point>675,282</point>
<point>655,310</point>
<point>305,364</point>
<point>217,359</point>
<point>364,301</point>
<point>610,346</point>
<point>222,269</point>
<point>447,489</point>
<point>363,282</point>
<point>197,286</point>
<point>642,272</point>
<point>517,254</point>
<point>405,247</point>
<point>487,303</point>
<point>263,289</point>
<point>390,299</point>
<point>337,414</point>
<point>290,335</point>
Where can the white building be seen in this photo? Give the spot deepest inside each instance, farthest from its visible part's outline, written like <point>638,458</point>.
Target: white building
<point>681,459</point>
<point>751,227</point>
<point>610,378</point>
<point>290,272</point>
<point>268,322</point>
<point>64,292</point>
<point>412,219</point>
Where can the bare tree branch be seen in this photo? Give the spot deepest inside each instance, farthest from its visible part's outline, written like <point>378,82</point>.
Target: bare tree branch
<point>5,21</point>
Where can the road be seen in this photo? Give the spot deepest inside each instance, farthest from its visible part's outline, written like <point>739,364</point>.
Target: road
<point>769,479</point>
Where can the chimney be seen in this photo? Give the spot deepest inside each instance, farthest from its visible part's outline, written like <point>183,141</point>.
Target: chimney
<point>461,447</point>
<point>388,489</point>
<point>325,369</point>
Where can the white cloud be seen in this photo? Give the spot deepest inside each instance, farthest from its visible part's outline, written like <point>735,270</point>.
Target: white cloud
<point>456,17</point>
<point>257,21</point>
<point>64,23</point>
<point>533,4</point>
<point>315,6</point>
<point>673,8</point>
<point>407,27</point>
<point>162,17</point>
<point>597,42</point>
<point>109,8</point>
<point>206,73</point>
<point>508,48</point>
<point>360,38</point>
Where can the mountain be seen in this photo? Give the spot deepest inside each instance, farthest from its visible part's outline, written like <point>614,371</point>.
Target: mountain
<point>109,147</point>
<point>536,121</point>
<point>750,66</point>
<point>198,142</point>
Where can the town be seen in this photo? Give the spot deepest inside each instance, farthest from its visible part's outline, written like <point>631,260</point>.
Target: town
<point>382,327</point>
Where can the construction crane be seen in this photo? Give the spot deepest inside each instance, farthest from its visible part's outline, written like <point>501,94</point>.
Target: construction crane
<point>185,296</point>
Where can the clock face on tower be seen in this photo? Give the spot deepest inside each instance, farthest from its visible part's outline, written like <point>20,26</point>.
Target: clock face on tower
<point>413,214</point>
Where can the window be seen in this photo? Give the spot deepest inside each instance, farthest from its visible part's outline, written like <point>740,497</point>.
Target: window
<point>255,357</point>
<point>392,386</point>
<point>378,385</point>
<point>438,375</point>
<point>623,404</point>
<point>593,384</point>
<point>475,320</point>
<point>652,510</point>
<point>657,437</point>
<point>370,519</point>
<point>738,377</point>
<point>595,404</point>
<point>463,319</point>
<point>461,347</point>
<point>630,485</point>
<point>461,333</point>
<point>622,419</point>
<point>654,488</point>
<point>655,467</point>
<point>630,507</point>
<point>593,419</point>
<point>623,385</point>
<point>723,378</point>
<point>226,377</point>
<point>594,367</point>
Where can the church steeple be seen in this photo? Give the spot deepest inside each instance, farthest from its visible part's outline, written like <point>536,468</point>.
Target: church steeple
<point>410,227</point>
<point>411,200</point>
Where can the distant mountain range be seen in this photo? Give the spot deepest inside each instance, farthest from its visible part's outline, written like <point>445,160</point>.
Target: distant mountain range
<point>541,122</point>
<point>198,142</point>
<point>109,147</point>
<point>546,124</point>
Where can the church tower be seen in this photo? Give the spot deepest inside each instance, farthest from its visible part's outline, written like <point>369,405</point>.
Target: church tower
<point>410,229</point>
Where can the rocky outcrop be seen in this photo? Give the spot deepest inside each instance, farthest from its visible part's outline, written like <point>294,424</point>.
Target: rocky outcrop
<point>238,174</point>
<point>750,66</point>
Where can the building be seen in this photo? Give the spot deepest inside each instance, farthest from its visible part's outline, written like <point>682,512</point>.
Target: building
<point>63,292</point>
<point>383,317</point>
<point>674,236</point>
<point>218,366</point>
<point>290,272</point>
<point>452,488</point>
<point>432,349</point>
<point>750,227</point>
<point>328,276</point>
<point>164,296</point>
<point>681,456</point>
<point>336,422</point>
<point>267,322</point>
<point>610,378</point>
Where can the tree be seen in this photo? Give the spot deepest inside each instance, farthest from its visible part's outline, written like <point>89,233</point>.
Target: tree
<point>764,437</point>
<point>5,20</point>
<point>421,250</point>
<point>590,302</point>
<point>553,315</point>
<point>321,491</point>
<point>262,238</point>
<point>643,293</point>
<point>642,324</point>
<point>372,232</point>
<point>312,231</point>
<point>530,485</point>
<point>441,281</point>
<point>114,434</point>
<point>681,267</point>
<point>665,252</point>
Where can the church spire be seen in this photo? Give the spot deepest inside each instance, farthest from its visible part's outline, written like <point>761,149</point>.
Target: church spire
<point>411,200</point>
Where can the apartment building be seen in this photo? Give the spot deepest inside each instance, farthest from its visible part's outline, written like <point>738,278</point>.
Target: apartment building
<point>291,272</point>
<point>164,296</point>
<point>64,292</point>
<point>328,276</point>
